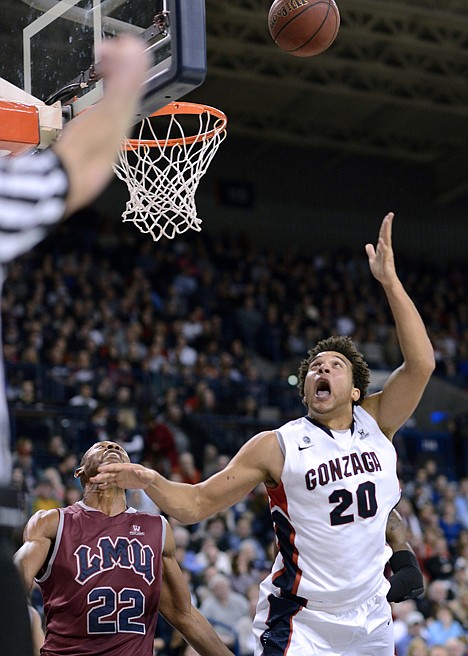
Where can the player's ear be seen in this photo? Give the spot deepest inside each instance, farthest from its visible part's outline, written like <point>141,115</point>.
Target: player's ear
<point>355,394</point>
<point>79,471</point>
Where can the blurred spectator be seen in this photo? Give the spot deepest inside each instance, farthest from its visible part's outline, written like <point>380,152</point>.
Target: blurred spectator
<point>53,453</point>
<point>46,495</point>
<point>417,647</point>
<point>174,420</point>
<point>438,593</point>
<point>450,524</point>
<point>66,468</point>
<point>186,470</point>
<point>410,519</point>
<point>443,627</point>
<point>456,647</point>
<point>416,628</point>
<point>209,555</point>
<point>84,398</point>
<point>438,650</point>
<point>461,502</point>
<point>223,606</point>
<point>459,607</point>
<point>243,532</point>
<point>441,564</point>
<point>23,457</point>
<point>128,434</point>
<point>400,613</point>
<point>244,625</point>
<point>245,568</point>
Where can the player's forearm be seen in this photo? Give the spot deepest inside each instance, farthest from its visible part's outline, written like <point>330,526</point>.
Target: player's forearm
<point>414,342</point>
<point>201,636</point>
<point>179,500</point>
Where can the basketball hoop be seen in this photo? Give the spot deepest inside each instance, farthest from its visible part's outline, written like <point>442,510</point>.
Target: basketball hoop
<point>162,174</point>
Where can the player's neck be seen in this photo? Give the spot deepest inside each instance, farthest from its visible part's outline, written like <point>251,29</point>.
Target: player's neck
<point>110,502</point>
<point>333,420</point>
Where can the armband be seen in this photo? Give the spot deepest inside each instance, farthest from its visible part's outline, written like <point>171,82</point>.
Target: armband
<point>407,579</point>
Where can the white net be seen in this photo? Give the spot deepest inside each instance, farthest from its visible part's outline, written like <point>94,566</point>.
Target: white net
<point>162,173</point>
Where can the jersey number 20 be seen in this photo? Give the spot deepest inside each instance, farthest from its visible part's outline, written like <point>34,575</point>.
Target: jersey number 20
<point>366,504</point>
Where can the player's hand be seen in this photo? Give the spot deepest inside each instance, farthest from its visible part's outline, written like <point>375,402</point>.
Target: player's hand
<point>381,260</point>
<point>127,476</point>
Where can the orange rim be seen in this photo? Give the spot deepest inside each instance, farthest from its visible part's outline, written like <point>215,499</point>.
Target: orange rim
<point>181,108</point>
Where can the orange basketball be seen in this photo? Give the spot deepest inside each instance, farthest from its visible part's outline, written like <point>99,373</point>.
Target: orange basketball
<point>304,28</point>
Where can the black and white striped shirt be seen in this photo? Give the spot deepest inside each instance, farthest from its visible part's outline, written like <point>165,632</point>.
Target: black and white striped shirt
<point>33,190</point>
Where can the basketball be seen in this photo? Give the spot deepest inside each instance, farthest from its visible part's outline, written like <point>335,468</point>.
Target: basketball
<point>304,28</point>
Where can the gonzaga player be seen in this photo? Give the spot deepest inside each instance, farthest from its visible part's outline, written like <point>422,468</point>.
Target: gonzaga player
<point>332,482</point>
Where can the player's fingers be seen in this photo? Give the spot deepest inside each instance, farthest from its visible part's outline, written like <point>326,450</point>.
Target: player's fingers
<point>111,467</point>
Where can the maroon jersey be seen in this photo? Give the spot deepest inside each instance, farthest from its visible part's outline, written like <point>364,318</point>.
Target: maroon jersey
<point>102,583</point>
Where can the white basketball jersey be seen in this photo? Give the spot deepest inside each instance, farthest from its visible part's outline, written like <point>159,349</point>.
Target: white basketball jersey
<point>330,511</point>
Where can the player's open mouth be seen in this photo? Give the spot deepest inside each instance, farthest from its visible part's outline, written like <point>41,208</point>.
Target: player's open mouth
<point>322,391</point>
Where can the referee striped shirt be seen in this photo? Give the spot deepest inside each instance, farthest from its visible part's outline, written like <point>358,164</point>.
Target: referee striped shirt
<point>33,190</point>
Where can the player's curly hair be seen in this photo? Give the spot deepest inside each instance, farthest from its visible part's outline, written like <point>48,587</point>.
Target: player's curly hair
<point>344,345</point>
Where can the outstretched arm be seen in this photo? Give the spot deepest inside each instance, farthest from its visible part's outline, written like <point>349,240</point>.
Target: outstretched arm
<point>260,460</point>
<point>176,607</point>
<point>89,144</point>
<point>404,388</point>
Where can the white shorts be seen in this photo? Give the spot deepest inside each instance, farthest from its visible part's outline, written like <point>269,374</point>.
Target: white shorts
<point>283,627</point>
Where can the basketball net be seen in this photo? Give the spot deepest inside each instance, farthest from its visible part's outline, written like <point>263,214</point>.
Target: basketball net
<point>162,174</point>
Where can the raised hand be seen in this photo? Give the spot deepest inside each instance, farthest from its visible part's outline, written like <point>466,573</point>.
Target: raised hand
<point>381,260</point>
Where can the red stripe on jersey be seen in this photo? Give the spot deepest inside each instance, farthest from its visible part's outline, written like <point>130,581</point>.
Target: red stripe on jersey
<point>284,529</point>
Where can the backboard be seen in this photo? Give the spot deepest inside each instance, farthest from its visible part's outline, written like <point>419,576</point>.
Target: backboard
<point>48,48</point>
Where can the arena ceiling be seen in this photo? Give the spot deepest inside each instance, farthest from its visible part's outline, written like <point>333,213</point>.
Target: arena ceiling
<point>394,85</point>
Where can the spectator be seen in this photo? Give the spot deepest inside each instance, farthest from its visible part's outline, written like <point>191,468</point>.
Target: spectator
<point>438,650</point>
<point>23,457</point>
<point>444,626</point>
<point>417,647</point>
<point>410,519</point>
<point>456,647</point>
<point>441,565</point>
<point>46,495</point>
<point>450,525</point>
<point>437,594</point>
<point>210,555</point>
<point>223,606</point>
<point>244,625</point>
<point>54,452</point>
<point>461,502</point>
<point>84,398</point>
<point>416,628</point>
<point>186,470</point>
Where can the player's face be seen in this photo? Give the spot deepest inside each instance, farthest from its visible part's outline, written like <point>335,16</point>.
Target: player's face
<point>329,383</point>
<point>101,453</point>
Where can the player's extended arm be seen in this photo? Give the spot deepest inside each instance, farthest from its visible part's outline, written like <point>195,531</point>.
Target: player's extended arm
<point>407,579</point>
<point>404,388</point>
<point>259,460</point>
<point>176,607</point>
<point>39,532</point>
<point>89,144</point>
